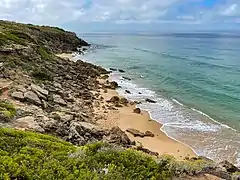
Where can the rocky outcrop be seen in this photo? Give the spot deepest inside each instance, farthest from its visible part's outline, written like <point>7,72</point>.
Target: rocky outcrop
<point>150,101</point>
<point>33,98</point>
<point>137,133</point>
<point>18,95</point>
<point>137,111</point>
<point>28,123</point>
<point>117,136</point>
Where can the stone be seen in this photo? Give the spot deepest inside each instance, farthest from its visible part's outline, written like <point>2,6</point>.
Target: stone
<point>121,71</point>
<point>127,91</point>
<point>18,95</point>
<point>114,99</point>
<point>28,123</point>
<point>140,148</point>
<point>113,85</point>
<point>113,69</point>
<point>149,134</point>
<point>36,88</point>
<point>105,91</point>
<point>118,105</point>
<point>127,78</point>
<point>21,88</point>
<point>228,166</point>
<point>135,133</point>
<point>104,76</point>
<point>123,101</point>
<point>117,136</point>
<point>57,85</point>
<point>58,99</point>
<point>32,97</point>
<point>150,101</point>
<point>137,111</point>
<point>139,93</point>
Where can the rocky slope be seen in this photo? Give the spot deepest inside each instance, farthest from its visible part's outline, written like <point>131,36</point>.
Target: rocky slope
<point>43,93</point>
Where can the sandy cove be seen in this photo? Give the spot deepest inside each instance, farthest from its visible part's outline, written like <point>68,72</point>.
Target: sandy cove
<point>125,118</point>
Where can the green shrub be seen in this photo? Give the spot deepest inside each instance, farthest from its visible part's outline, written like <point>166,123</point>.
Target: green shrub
<point>42,75</point>
<point>7,109</point>
<point>28,155</point>
<point>44,54</point>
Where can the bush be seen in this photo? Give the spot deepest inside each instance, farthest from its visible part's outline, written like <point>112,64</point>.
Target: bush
<point>7,110</point>
<point>42,75</point>
<point>28,155</point>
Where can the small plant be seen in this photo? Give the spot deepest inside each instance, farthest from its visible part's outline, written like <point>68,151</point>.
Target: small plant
<point>44,54</point>
<point>42,75</point>
<point>7,110</point>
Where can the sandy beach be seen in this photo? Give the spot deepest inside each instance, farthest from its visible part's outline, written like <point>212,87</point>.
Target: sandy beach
<point>125,118</point>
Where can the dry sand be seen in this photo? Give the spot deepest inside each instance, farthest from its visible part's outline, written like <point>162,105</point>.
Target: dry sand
<point>125,118</point>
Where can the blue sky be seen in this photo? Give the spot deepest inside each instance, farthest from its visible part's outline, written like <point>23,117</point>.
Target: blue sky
<point>111,15</point>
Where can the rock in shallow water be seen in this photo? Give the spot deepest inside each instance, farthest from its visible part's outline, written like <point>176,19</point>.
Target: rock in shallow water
<point>150,101</point>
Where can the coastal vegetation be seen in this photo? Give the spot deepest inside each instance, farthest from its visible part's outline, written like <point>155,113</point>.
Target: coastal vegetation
<point>42,93</point>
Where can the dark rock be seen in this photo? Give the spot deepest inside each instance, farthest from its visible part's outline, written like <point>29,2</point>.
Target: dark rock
<point>127,78</point>
<point>18,95</point>
<point>113,69</point>
<point>113,85</point>
<point>139,93</point>
<point>104,76</point>
<point>118,105</point>
<point>105,91</point>
<point>137,111</point>
<point>123,101</point>
<point>127,91</point>
<point>140,148</point>
<point>135,133</point>
<point>114,99</point>
<point>150,101</point>
<point>121,71</point>
<point>149,134</point>
<point>117,136</point>
<point>31,97</point>
<point>228,166</point>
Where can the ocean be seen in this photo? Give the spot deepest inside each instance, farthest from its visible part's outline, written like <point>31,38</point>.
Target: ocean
<point>194,77</point>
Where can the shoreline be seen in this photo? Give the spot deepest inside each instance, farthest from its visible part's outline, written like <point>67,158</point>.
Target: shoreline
<point>124,118</point>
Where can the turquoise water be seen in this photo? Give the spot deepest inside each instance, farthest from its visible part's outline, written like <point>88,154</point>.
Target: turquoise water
<point>194,78</point>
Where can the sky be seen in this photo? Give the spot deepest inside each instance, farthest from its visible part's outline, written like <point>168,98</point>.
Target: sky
<point>117,15</point>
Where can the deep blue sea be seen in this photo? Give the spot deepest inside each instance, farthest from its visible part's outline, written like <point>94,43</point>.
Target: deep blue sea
<point>194,77</point>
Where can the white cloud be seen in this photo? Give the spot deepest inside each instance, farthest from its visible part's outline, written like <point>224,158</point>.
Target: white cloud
<point>121,11</point>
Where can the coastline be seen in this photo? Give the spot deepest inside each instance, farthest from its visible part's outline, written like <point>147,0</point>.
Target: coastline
<point>124,118</point>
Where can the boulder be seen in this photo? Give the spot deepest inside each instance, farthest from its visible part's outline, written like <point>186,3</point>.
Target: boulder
<point>121,71</point>
<point>18,95</point>
<point>149,134</point>
<point>113,85</point>
<point>127,91</point>
<point>123,101</point>
<point>135,133</point>
<point>114,99</point>
<point>140,148</point>
<point>150,101</point>
<point>228,166</point>
<point>137,111</point>
<point>58,99</point>
<point>32,97</point>
<point>113,69</point>
<point>117,136</point>
<point>36,89</point>
<point>28,123</point>
<point>127,78</point>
